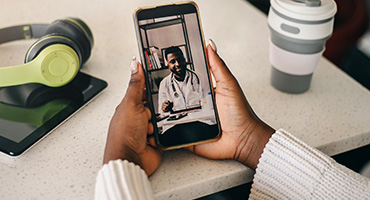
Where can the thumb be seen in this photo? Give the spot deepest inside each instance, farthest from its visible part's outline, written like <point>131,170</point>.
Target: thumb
<point>217,65</point>
<point>135,90</point>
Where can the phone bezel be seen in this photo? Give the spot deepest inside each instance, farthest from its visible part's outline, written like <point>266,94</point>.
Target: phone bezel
<point>163,11</point>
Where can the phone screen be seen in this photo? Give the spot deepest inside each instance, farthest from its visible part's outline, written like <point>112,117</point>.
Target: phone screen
<point>178,82</point>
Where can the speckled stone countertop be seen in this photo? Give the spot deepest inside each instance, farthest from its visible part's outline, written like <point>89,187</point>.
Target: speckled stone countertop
<point>332,116</point>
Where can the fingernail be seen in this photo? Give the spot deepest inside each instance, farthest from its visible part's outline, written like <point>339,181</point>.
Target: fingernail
<point>213,45</point>
<point>133,65</point>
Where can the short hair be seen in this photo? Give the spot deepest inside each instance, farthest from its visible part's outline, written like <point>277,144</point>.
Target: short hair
<point>174,50</point>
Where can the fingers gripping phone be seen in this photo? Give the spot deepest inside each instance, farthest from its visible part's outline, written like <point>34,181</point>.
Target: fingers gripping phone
<point>179,87</point>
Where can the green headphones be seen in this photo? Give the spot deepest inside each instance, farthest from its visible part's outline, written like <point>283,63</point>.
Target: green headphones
<point>55,58</point>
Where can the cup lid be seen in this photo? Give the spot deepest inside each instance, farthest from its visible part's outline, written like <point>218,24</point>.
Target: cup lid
<point>307,10</point>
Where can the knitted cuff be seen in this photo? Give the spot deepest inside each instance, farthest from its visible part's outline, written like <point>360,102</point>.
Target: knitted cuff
<point>122,180</point>
<point>290,169</point>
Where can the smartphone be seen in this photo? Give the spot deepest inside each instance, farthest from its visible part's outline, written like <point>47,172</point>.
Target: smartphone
<point>178,81</point>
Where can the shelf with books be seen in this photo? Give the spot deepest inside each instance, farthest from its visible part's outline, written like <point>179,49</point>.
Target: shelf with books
<point>154,58</point>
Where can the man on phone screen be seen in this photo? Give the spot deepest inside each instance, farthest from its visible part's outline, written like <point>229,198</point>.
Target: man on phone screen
<point>181,89</point>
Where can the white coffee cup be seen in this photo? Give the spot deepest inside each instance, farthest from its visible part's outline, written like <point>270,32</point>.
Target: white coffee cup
<point>299,30</point>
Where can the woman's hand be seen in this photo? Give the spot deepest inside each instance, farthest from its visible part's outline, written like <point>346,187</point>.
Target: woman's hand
<point>130,127</point>
<point>244,135</point>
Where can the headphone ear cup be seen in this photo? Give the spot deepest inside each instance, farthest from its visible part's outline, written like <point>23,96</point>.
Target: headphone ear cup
<point>48,40</point>
<point>76,30</point>
<point>56,58</point>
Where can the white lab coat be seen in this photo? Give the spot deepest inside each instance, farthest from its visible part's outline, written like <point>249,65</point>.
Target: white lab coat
<point>184,94</point>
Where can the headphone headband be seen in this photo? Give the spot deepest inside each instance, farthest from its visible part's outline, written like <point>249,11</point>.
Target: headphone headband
<point>25,31</point>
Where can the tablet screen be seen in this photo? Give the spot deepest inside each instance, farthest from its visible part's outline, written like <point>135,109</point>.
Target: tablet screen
<point>29,112</point>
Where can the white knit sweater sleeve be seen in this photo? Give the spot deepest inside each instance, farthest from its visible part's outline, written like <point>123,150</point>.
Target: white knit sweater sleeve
<point>290,169</point>
<point>122,180</point>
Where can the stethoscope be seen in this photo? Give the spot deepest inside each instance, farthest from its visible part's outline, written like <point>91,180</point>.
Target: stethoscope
<point>191,81</point>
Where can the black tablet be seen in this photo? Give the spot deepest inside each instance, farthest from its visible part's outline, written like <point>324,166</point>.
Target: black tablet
<point>29,112</point>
